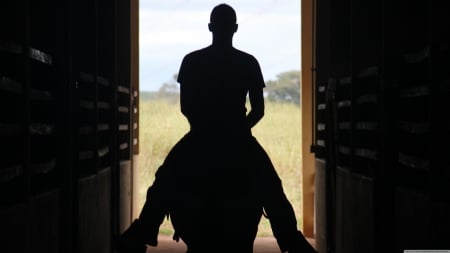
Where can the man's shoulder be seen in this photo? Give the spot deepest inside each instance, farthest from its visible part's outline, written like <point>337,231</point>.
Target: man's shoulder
<point>244,56</point>
<point>196,53</point>
<point>207,53</point>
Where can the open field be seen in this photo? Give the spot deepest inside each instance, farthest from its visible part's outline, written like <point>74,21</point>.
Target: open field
<point>162,125</point>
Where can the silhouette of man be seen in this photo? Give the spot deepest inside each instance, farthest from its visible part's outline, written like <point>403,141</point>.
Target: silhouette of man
<point>217,177</point>
<point>214,81</point>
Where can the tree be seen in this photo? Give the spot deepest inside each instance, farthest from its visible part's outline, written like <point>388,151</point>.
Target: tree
<point>286,88</point>
<point>169,91</point>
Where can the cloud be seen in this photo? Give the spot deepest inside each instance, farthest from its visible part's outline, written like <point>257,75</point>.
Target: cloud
<point>270,30</point>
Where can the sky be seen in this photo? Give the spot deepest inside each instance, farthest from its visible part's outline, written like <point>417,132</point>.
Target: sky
<point>170,29</point>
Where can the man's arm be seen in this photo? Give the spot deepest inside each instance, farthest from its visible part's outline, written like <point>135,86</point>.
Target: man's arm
<point>257,106</point>
<point>185,90</point>
<point>185,100</point>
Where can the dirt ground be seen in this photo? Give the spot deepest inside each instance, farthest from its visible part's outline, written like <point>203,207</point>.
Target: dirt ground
<point>262,245</point>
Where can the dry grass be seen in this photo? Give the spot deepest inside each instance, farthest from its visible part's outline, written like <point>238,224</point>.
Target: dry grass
<point>162,125</point>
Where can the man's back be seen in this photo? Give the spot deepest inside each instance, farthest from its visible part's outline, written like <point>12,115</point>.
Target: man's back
<point>218,80</point>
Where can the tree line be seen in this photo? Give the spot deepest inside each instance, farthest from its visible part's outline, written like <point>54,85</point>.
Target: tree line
<point>284,89</point>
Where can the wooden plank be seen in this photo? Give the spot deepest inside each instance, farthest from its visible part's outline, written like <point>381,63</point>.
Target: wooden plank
<point>10,85</point>
<point>45,229</point>
<point>88,215</point>
<point>344,211</point>
<point>13,230</point>
<point>125,198</point>
<point>362,206</point>
<point>104,210</point>
<point>40,56</point>
<point>412,220</point>
<point>321,206</point>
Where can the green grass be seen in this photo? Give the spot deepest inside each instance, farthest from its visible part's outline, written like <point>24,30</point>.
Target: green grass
<point>162,125</point>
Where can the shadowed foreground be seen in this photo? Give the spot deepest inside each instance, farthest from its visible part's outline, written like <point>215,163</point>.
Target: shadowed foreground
<point>262,245</point>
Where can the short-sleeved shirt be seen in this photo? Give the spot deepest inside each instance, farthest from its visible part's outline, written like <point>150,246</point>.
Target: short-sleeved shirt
<point>217,83</point>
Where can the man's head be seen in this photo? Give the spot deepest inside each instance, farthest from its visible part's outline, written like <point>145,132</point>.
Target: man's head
<point>223,20</point>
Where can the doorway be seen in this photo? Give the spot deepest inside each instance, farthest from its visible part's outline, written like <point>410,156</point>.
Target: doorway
<point>166,87</point>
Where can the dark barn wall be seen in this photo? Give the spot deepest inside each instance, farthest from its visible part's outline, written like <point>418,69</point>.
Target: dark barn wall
<point>65,132</point>
<point>382,125</point>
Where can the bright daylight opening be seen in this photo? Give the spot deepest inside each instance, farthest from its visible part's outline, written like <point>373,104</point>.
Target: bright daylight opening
<point>270,31</point>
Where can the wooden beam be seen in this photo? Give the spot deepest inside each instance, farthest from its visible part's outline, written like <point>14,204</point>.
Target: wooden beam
<point>307,66</point>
